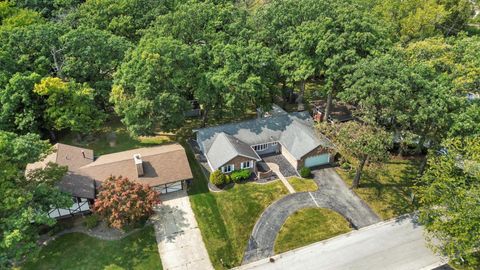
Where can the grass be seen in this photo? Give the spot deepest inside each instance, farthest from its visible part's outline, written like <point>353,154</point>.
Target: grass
<point>79,251</point>
<point>226,219</point>
<point>387,190</point>
<point>309,226</point>
<point>302,185</point>
<point>101,140</point>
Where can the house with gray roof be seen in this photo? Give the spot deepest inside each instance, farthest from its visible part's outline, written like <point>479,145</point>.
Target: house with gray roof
<point>241,145</point>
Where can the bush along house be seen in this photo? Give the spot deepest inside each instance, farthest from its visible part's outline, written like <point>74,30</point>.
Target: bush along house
<point>165,168</point>
<point>242,145</point>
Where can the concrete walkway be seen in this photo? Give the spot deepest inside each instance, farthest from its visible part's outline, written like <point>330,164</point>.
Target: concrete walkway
<point>180,243</point>
<point>276,169</point>
<point>332,193</point>
<point>396,245</point>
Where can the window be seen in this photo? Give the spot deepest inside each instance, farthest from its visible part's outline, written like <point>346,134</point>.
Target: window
<point>228,168</point>
<point>246,164</point>
<point>260,147</point>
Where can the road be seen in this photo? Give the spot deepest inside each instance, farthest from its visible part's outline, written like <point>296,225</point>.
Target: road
<point>394,245</point>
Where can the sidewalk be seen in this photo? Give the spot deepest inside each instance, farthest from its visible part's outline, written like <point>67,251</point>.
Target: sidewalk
<point>276,169</point>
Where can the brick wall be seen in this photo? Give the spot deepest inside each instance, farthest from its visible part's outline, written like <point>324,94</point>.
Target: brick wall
<point>237,163</point>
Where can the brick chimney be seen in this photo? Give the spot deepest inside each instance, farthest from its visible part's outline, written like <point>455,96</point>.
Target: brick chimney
<point>138,163</point>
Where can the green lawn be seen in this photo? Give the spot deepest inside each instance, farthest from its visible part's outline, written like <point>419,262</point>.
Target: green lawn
<point>100,142</point>
<point>226,219</point>
<point>309,226</point>
<point>79,251</point>
<point>301,185</point>
<point>387,189</point>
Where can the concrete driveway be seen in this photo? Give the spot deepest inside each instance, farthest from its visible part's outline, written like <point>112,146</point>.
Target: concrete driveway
<point>332,194</point>
<point>394,245</point>
<point>180,243</point>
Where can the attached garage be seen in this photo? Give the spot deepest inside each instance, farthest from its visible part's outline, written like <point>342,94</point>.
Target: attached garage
<point>170,187</point>
<point>317,160</point>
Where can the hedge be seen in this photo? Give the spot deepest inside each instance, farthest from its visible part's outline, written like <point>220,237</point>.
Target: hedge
<point>240,175</point>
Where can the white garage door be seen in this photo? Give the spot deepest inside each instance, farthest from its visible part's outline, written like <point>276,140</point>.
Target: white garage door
<point>317,160</point>
<point>172,187</point>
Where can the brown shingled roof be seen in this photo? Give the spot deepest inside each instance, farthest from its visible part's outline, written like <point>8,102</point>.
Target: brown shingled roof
<point>71,156</point>
<point>161,165</point>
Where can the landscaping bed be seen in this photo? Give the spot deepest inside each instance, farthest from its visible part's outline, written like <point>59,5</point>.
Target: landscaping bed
<point>302,184</point>
<point>308,226</point>
<point>79,251</point>
<point>226,219</point>
<point>386,189</point>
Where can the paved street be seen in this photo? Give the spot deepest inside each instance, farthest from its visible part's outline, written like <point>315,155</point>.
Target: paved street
<point>393,245</point>
<point>180,243</point>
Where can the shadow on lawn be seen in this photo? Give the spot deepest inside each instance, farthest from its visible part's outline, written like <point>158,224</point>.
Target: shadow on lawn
<point>392,184</point>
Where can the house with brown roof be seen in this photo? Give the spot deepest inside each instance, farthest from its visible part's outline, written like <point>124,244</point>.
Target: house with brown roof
<point>165,168</point>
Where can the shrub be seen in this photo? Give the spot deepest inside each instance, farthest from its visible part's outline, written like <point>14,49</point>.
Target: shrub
<point>240,175</point>
<point>305,172</point>
<point>218,178</point>
<point>345,166</point>
<point>123,202</point>
<point>91,221</point>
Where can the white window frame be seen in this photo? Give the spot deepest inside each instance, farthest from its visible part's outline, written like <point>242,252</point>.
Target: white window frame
<point>249,164</point>
<point>261,147</point>
<point>225,169</point>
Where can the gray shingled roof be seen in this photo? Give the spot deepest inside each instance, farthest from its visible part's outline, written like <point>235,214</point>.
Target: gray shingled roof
<point>226,147</point>
<point>294,131</point>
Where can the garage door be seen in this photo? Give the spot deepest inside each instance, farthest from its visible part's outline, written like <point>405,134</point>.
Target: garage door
<point>317,160</point>
<point>172,187</point>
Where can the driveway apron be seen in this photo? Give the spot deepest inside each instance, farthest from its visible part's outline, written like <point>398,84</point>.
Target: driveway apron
<point>180,243</point>
<point>332,193</point>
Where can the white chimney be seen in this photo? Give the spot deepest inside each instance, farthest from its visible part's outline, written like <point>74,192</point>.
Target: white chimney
<point>138,163</point>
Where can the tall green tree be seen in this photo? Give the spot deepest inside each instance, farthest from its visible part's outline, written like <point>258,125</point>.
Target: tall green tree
<point>28,49</point>
<point>411,19</point>
<point>69,105</point>
<point>121,17</point>
<point>21,109</point>
<point>26,198</point>
<point>151,86</point>
<point>449,196</point>
<point>359,143</point>
<point>11,16</point>
<point>404,97</point>
<point>92,56</point>
<point>219,35</point>
<point>319,40</point>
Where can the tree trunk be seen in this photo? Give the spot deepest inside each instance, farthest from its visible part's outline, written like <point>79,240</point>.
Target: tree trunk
<point>52,135</point>
<point>420,145</point>
<point>205,117</point>
<point>423,165</point>
<point>328,107</point>
<point>358,173</point>
<point>302,92</point>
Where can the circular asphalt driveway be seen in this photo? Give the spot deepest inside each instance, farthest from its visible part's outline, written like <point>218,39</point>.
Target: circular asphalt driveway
<point>332,193</point>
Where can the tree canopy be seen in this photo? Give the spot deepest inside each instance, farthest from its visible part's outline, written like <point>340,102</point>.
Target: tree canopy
<point>449,195</point>
<point>26,197</point>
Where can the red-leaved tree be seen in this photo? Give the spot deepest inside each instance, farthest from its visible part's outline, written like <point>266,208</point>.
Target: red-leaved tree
<point>123,202</point>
